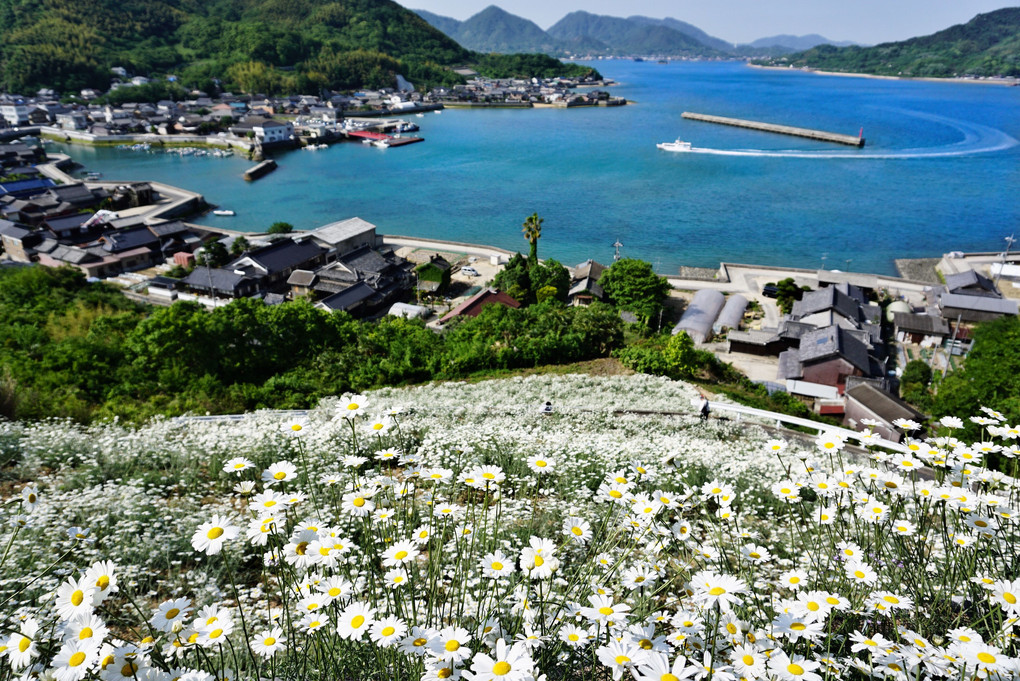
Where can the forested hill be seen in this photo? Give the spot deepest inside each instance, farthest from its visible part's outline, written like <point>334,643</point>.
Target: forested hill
<point>265,45</point>
<point>987,45</point>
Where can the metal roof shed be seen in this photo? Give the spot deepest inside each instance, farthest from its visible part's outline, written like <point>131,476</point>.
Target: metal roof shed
<point>700,315</point>
<point>731,315</point>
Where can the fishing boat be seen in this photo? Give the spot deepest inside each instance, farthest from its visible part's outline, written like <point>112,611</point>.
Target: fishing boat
<point>222,212</point>
<point>678,145</point>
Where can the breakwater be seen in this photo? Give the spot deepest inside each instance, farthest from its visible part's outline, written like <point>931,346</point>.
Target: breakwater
<point>779,129</point>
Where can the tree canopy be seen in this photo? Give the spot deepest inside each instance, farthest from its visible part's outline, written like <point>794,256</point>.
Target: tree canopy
<point>634,286</point>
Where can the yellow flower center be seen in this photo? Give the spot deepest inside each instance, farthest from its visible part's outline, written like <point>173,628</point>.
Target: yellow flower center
<point>269,641</point>
<point>573,637</point>
<point>357,622</point>
<point>445,672</point>
<point>622,659</point>
<point>539,561</point>
<point>24,644</point>
<point>748,660</point>
<point>615,493</point>
<point>358,502</point>
<point>296,427</point>
<point>869,642</point>
<point>645,644</point>
<point>400,555</point>
<point>335,591</point>
<point>858,574</point>
<point>86,632</point>
<point>795,580</point>
<point>891,599</point>
<point>419,642</point>
<point>353,406</point>
<point>76,659</point>
<point>501,668</point>
<point>279,475</point>
<point>668,677</point>
<point>717,591</point>
<point>798,626</point>
<point>103,582</point>
<point>77,597</point>
<point>754,554</point>
<point>541,464</point>
<point>813,607</point>
<point>987,658</point>
<point>452,646</point>
<point>496,565</point>
<point>795,669</point>
<point>214,533</point>
<point>129,669</point>
<point>605,611</point>
<point>1009,598</point>
<point>832,600</point>
<point>301,548</point>
<point>488,476</point>
<point>215,633</point>
<point>388,631</point>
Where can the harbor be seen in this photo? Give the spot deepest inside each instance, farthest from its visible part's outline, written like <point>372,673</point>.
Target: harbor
<point>808,133</point>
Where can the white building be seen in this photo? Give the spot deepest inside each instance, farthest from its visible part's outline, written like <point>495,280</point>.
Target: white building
<point>269,132</point>
<point>14,111</point>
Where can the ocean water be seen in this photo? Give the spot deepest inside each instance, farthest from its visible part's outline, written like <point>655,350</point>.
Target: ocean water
<point>940,172</point>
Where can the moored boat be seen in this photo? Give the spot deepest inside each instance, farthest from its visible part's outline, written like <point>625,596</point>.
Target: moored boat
<point>223,212</point>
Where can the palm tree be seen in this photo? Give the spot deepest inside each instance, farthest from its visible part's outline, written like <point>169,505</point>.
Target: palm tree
<point>532,232</point>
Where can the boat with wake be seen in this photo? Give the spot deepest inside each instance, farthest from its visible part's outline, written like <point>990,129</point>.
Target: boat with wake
<point>678,145</point>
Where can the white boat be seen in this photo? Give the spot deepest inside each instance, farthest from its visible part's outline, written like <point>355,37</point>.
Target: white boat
<point>678,145</point>
<point>224,213</point>
<point>382,144</point>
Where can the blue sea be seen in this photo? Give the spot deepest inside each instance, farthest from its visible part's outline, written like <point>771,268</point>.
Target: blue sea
<point>940,172</point>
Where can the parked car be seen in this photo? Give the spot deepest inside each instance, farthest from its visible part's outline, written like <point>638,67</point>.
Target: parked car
<point>770,291</point>
<point>470,271</point>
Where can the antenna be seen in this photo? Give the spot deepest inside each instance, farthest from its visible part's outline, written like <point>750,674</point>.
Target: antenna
<point>618,245</point>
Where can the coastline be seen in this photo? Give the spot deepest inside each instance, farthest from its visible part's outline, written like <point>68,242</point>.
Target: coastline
<point>1007,82</point>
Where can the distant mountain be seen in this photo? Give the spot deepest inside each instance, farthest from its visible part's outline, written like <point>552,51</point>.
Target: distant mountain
<point>987,45</point>
<point>797,43</point>
<point>689,30</point>
<point>623,36</point>
<point>495,30</point>
<point>447,25</point>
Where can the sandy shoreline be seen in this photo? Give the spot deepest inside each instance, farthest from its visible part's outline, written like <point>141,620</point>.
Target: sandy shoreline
<point>988,81</point>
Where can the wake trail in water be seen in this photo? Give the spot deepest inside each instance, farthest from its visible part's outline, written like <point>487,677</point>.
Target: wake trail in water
<point>977,139</point>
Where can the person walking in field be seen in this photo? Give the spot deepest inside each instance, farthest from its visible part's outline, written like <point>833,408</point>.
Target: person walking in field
<point>703,407</point>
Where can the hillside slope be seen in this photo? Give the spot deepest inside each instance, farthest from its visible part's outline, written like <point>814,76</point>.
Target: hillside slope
<point>987,45</point>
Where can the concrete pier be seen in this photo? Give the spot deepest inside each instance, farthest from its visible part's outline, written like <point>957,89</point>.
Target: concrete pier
<point>820,135</point>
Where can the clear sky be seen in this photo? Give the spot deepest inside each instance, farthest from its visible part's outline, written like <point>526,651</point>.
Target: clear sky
<point>741,21</point>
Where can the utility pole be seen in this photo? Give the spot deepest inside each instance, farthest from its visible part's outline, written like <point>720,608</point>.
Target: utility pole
<point>618,245</point>
<point>1005,255</point>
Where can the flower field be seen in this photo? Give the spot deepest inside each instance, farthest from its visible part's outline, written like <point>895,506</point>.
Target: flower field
<point>454,531</point>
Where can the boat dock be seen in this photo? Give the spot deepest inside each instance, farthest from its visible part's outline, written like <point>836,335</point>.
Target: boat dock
<point>383,139</point>
<point>255,172</point>
<point>820,135</point>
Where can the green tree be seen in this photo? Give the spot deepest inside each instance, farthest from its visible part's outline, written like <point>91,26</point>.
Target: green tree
<point>532,229</point>
<point>213,254</point>
<point>990,377</point>
<point>514,279</point>
<point>634,286</point>
<point>680,356</point>
<point>549,274</point>
<point>239,246</point>
<point>788,292</point>
<point>280,228</point>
